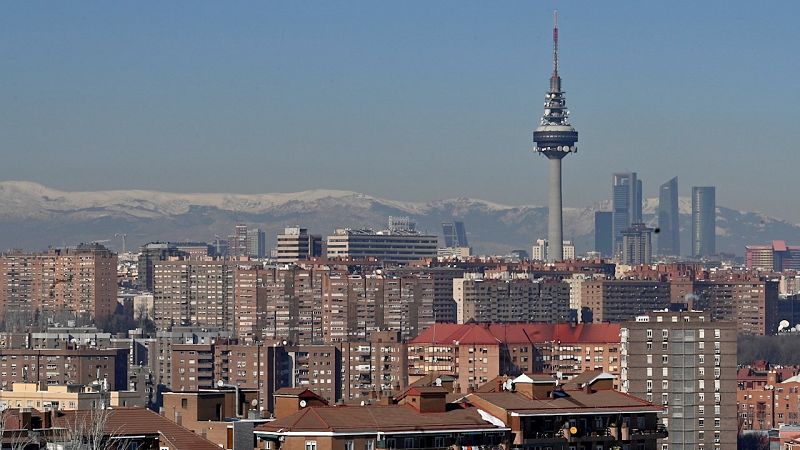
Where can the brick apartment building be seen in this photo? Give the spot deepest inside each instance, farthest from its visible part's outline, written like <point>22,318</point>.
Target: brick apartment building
<point>65,366</point>
<point>81,281</point>
<point>187,292</point>
<point>478,353</point>
<point>510,299</point>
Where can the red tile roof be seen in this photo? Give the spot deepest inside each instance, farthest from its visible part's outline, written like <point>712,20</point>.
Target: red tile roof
<point>576,401</point>
<point>384,419</point>
<point>137,422</point>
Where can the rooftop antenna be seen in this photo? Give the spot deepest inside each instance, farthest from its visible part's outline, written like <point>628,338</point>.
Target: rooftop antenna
<point>555,43</point>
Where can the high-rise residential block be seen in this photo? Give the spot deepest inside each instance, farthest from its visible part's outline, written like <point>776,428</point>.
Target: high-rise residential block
<point>686,363</point>
<point>669,219</point>
<point>637,244</point>
<point>620,300</point>
<point>704,217</point>
<point>296,244</point>
<point>81,281</point>
<point>189,292</point>
<point>539,251</point>
<point>149,254</point>
<point>510,299</point>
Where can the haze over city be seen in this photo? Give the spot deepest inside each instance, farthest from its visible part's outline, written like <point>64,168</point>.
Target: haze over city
<point>412,101</point>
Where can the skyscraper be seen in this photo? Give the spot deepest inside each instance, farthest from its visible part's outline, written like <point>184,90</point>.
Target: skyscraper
<point>455,235</point>
<point>555,138</point>
<point>603,232</point>
<point>626,199</point>
<point>668,219</point>
<point>704,217</point>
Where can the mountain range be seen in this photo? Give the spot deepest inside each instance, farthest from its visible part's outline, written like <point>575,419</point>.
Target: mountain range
<point>33,216</point>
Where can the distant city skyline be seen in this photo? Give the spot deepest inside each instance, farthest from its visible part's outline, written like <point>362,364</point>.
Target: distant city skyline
<point>398,101</point>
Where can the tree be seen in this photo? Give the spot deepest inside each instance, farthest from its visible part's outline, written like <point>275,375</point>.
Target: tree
<point>89,430</point>
<point>19,437</point>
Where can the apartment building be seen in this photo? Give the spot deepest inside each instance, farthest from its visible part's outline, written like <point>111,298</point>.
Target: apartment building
<point>478,353</point>
<point>81,281</point>
<point>187,292</point>
<point>510,298</point>
<point>84,366</point>
<point>621,300</point>
<point>686,363</point>
<point>749,301</point>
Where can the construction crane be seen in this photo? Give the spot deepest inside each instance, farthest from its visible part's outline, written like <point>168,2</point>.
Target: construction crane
<point>123,236</point>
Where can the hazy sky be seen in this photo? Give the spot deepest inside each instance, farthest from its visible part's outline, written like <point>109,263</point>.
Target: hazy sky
<point>408,100</point>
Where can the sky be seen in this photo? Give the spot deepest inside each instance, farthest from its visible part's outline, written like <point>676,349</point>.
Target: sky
<point>411,100</point>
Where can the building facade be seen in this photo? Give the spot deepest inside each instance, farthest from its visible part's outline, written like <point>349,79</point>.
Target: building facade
<point>704,218</point>
<point>686,363</point>
<point>669,219</point>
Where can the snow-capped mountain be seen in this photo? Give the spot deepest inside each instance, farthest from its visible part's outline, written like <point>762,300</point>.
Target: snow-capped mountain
<point>34,216</point>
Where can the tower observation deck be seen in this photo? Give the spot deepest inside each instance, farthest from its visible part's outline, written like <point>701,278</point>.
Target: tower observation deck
<point>555,138</point>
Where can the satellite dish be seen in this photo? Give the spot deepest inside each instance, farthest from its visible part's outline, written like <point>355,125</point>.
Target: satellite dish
<point>220,383</point>
<point>254,403</point>
<point>573,430</point>
<point>783,325</point>
<point>303,403</point>
<point>437,382</point>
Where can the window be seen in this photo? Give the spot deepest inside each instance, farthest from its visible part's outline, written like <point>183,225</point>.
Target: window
<point>184,403</point>
<point>701,422</point>
<point>369,444</point>
<point>348,445</point>
<point>716,422</point>
<point>311,445</point>
<point>716,333</point>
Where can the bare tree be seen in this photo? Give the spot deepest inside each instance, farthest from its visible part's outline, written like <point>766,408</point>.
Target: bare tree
<point>20,437</point>
<point>89,430</point>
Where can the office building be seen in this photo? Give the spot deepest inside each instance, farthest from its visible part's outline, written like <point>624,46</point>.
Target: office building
<point>669,219</point>
<point>455,235</point>
<point>704,217</point>
<point>686,363</point>
<point>603,233</point>
<point>555,138</point>
<point>391,246</point>
<point>626,200</point>
<point>247,242</point>
<point>296,244</point>
<point>636,244</point>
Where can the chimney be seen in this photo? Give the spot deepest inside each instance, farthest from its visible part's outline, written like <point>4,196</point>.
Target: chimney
<point>425,399</point>
<point>25,418</point>
<point>47,419</point>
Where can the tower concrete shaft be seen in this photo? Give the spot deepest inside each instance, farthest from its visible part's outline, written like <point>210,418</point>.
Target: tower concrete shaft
<point>555,238</point>
<point>555,138</point>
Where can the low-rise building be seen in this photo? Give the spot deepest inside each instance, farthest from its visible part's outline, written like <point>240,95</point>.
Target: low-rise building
<point>64,397</point>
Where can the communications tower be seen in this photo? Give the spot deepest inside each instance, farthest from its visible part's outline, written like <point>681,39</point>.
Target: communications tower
<point>555,138</point>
